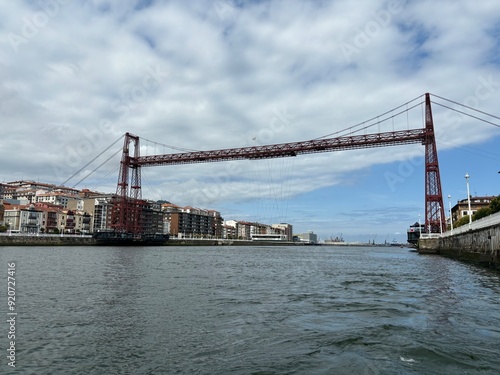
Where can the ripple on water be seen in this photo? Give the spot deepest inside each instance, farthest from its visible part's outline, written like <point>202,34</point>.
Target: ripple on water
<point>225,310</point>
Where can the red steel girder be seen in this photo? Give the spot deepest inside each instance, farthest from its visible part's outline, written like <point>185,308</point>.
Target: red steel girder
<point>434,211</point>
<point>288,149</point>
<point>127,206</point>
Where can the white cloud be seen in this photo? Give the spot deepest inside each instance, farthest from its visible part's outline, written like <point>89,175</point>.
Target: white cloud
<point>208,75</point>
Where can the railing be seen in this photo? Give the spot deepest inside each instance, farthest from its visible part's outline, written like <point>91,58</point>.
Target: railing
<point>478,224</point>
<point>430,235</point>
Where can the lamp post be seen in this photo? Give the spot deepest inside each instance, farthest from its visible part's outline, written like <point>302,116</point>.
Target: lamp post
<point>468,199</point>
<point>451,217</point>
<point>440,221</point>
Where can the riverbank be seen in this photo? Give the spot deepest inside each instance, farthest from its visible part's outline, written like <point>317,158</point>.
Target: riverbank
<point>480,246</point>
<point>46,240</point>
<point>75,240</point>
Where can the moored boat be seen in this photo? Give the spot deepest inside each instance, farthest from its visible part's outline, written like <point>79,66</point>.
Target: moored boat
<point>413,233</point>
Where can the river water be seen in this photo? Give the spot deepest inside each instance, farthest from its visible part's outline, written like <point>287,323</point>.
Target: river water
<point>248,310</point>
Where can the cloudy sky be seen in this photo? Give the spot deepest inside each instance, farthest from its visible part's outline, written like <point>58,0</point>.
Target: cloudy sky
<point>202,75</point>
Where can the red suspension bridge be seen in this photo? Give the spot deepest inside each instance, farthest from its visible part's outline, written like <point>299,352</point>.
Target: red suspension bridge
<point>128,205</point>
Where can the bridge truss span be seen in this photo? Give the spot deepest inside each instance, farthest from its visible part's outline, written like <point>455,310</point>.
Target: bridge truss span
<point>288,149</point>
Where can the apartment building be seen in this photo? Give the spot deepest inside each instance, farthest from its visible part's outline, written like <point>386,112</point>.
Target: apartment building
<point>33,192</point>
<point>7,191</point>
<point>58,198</point>
<point>309,237</point>
<point>50,215</point>
<point>461,209</point>
<point>229,232</point>
<point>48,208</point>
<point>217,221</point>
<point>152,218</point>
<point>34,186</point>
<point>245,230</point>
<point>191,222</point>
<point>100,209</point>
<point>23,219</point>
<point>285,229</point>
<point>25,196</point>
<point>2,213</point>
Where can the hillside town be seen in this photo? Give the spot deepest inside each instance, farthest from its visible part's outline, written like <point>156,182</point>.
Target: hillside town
<point>29,207</point>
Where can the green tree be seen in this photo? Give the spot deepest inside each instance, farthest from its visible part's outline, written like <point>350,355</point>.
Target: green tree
<point>462,221</point>
<point>483,212</point>
<point>495,205</point>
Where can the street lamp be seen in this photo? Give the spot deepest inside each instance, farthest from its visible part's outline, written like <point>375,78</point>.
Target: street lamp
<point>451,217</point>
<point>468,199</point>
<point>440,221</point>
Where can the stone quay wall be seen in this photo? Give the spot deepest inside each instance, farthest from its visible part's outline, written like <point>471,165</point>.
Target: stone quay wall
<point>55,240</point>
<point>17,240</point>
<point>480,246</point>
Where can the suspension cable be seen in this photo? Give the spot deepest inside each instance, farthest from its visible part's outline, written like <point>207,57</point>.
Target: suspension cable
<point>468,114</point>
<point>99,166</point>
<point>170,146</point>
<point>86,165</point>
<point>469,149</point>
<point>376,118</point>
<point>99,183</point>
<point>466,106</point>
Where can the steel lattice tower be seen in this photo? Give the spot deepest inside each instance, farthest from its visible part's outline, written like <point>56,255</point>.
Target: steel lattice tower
<point>127,208</point>
<point>434,210</point>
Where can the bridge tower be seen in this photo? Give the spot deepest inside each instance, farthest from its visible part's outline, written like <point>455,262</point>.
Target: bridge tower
<point>434,210</point>
<point>127,206</point>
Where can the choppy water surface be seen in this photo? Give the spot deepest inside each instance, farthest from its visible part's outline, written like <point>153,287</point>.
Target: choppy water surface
<point>252,310</point>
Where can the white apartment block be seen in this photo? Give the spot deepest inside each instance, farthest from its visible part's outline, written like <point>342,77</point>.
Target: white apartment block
<point>59,199</point>
<point>23,220</point>
<point>286,229</point>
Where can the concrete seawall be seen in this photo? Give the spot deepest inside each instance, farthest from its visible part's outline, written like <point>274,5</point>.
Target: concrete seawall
<point>480,246</point>
<point>46,241</point>
<point>17,240</point>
